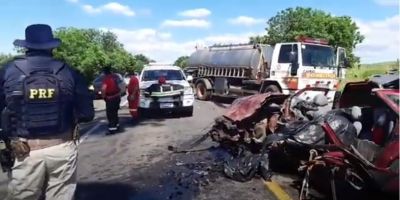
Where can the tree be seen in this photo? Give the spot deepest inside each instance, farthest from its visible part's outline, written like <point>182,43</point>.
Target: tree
<point>141,61</point>
<point>89,50</point>
<point>288,24</point>
<point>4,58</point>
<point>182,62</point>
<point>143,58</point>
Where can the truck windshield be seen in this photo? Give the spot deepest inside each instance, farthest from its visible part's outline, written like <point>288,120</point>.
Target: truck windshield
<point>154,75</point>
<point>318,56</point>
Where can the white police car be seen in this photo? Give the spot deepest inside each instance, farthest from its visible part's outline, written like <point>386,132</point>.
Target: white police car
<point>165,88</point>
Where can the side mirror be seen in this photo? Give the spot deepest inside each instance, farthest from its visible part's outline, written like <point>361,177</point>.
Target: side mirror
<point>295,64</point>
<point>189,78</point>
<point>346,63</point>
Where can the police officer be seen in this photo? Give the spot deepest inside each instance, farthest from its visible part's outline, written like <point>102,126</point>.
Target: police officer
<point>51,99</point>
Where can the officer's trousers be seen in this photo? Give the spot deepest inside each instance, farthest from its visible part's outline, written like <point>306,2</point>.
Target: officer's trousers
<point>48,172</point>
<point>112,107</point>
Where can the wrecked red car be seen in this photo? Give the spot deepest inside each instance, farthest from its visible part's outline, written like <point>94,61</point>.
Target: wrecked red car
<point>370,163</point>
<point>289,124</point>
<point>359,138</point>
<point>250,119</point>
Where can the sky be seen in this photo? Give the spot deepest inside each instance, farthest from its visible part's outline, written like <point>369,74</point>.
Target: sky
<point>166,29</point>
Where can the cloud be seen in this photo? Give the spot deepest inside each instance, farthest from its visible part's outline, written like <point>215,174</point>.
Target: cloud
<point>161,46</point>
<point>90,9</point>
<point>112,7</point>
<point>195,23</point>
<point>387,2</point>
<point>245,21</point>
<point>199,12</point>
<point>381,41</point>
<point>73,1</point>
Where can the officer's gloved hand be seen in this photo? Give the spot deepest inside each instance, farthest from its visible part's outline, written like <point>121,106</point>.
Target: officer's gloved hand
<point>20,148</point>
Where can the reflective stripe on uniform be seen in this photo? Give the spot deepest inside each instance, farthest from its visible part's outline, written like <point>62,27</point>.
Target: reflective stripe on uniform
<point>112,128</point>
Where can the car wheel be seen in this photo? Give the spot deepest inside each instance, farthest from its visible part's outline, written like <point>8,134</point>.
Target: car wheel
<point>143,113</point>
<point>188,112</point>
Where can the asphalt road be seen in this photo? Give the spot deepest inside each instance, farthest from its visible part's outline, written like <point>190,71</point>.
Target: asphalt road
<point>136,163</point>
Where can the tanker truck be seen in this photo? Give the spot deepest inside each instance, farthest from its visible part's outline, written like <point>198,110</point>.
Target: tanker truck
<point>243,69</point>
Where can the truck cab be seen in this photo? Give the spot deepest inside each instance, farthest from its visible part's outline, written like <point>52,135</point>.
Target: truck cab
<point>308,63</point>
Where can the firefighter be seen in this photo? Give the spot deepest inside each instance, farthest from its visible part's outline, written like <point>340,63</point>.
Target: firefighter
<point>46,99</point>
<point>133,96</point>
<point>111,94</point>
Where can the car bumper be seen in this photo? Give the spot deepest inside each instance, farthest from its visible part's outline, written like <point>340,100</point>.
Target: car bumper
<point>167,103</point>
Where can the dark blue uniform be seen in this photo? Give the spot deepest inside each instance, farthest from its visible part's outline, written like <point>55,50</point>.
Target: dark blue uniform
<point>42,101</point>
<point>74,104</point>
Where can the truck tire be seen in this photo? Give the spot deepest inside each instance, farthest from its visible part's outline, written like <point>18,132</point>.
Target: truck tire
<point>272,88</point>
<point>201,92</point>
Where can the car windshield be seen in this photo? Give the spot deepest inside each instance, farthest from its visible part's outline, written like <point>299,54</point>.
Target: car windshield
<point>154,75</point>
<point>318,56</point>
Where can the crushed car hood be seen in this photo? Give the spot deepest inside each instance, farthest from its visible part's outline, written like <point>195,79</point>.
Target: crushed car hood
<point>245,107</point>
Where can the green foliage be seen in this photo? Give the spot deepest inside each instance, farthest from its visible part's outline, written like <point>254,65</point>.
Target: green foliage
<point>182,62</point>
<point>141,61</point>
<point>142,58</point>
<point>364,71</point>
<point>288,24</point>
<point>89,50</point>
<point>5,58</point>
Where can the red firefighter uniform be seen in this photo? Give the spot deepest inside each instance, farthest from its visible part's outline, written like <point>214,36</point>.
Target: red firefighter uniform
<point>134,94</point>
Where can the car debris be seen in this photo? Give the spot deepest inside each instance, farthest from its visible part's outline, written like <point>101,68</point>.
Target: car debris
<point>349,144</point>
<point>335,140</point>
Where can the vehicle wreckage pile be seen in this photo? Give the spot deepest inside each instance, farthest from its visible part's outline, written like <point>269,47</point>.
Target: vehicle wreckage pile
<point>353,146</point>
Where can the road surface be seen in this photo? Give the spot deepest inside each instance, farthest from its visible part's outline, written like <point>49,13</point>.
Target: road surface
<point>136,163</point>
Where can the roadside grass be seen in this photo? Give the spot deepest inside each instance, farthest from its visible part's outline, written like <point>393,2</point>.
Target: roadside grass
<point>367,70</point>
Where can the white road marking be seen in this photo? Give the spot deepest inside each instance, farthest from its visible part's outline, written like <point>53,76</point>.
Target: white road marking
<point>91,131</point>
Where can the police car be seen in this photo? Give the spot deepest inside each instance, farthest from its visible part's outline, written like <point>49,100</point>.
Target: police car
<point>165,88</point>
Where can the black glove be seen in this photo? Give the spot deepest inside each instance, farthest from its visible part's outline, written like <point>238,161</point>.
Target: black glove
<point>6,155</point>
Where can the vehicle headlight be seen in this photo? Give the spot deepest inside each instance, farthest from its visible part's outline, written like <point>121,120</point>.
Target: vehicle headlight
<point>91,87</point>
<point>188,90</point>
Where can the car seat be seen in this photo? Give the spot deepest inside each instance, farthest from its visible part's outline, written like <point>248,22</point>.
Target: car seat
<point>382,126</point>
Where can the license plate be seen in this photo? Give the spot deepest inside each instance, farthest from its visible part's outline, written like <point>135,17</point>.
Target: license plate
<point>166,105</point>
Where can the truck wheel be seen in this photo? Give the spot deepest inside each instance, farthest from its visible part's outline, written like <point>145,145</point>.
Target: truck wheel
<point>201,92</point>
<point>272,88</point>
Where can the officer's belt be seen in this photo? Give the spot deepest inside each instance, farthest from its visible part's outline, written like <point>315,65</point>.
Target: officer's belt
<point>48,141</point>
